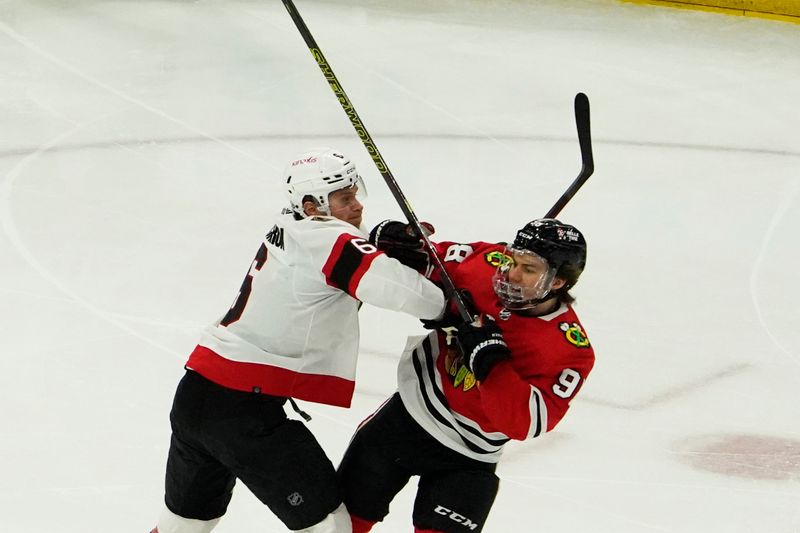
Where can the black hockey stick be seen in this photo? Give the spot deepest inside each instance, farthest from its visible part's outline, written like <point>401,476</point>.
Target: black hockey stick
<point>377,158</point>
<point>585,139</point>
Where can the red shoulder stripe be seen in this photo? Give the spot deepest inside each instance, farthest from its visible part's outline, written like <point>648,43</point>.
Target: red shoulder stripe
<point>350,258</point>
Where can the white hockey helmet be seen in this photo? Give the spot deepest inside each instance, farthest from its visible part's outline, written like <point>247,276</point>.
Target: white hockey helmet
<point>317,173</point>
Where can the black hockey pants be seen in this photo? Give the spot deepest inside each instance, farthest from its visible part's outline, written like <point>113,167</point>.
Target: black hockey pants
<point>219,434</point>
<point>455,492</point>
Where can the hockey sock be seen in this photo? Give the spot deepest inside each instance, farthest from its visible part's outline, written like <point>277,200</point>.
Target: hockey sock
<point>361,525</point>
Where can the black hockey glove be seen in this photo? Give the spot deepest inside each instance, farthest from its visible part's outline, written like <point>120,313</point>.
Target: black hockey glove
<point>451,317</point>
<point>398,240</point>
<point>481,345</point>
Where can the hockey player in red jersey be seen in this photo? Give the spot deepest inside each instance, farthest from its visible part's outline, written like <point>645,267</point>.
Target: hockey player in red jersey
<point>466,389</point>
<point>292,332</point>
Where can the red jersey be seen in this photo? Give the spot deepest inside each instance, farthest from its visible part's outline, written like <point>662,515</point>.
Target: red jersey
<point>522,397</point>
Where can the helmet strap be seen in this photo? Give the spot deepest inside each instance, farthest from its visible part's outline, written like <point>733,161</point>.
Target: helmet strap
<point>531,307</point>
<point>319,208</point>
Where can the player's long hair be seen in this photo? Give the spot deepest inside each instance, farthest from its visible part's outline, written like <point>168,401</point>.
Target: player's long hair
<point>570,274</point>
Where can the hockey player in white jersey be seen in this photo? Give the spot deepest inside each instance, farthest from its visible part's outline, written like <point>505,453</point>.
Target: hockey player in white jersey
<point>292,332</point>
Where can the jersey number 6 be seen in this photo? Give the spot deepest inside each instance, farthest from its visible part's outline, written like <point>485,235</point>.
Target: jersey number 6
<point>236,310</point>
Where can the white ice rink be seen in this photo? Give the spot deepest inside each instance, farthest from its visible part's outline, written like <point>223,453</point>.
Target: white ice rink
<point>141,144</point>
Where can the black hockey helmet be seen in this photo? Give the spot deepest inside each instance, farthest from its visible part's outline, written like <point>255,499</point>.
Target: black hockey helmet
<point>561,245</point>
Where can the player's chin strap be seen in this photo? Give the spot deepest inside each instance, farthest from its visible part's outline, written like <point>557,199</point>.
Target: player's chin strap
<point>529,305</point>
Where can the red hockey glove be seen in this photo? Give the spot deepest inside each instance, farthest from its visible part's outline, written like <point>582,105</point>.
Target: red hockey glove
<point>481,345</point>
<point>398,240</point>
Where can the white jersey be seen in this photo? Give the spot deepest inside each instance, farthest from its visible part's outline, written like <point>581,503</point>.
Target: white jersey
<point>293,329</point>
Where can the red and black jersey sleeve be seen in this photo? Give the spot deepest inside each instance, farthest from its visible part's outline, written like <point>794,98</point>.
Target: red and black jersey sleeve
<point>530,394</point>
<point>358,268</point>
<point>350,258</point>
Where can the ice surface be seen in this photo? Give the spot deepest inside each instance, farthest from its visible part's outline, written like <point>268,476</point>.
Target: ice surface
<point>140,151</point>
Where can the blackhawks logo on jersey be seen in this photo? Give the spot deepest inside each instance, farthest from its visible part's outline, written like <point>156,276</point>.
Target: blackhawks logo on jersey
<point>497,258</point>
<point>574,334</point>
<point>459,375</point>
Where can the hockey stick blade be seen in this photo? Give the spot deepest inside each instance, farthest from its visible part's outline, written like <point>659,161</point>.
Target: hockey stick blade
<point>583,124</point>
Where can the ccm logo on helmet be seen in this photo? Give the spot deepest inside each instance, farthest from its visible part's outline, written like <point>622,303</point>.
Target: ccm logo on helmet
<point>304,160</point>
<point>454,516</point>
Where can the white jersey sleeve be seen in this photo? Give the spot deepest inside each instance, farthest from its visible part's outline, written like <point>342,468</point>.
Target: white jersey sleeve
<point>358,268</point>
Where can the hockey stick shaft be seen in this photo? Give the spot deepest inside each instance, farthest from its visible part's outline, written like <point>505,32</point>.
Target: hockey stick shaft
<point>377,158</point>
<point>583,124</point>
